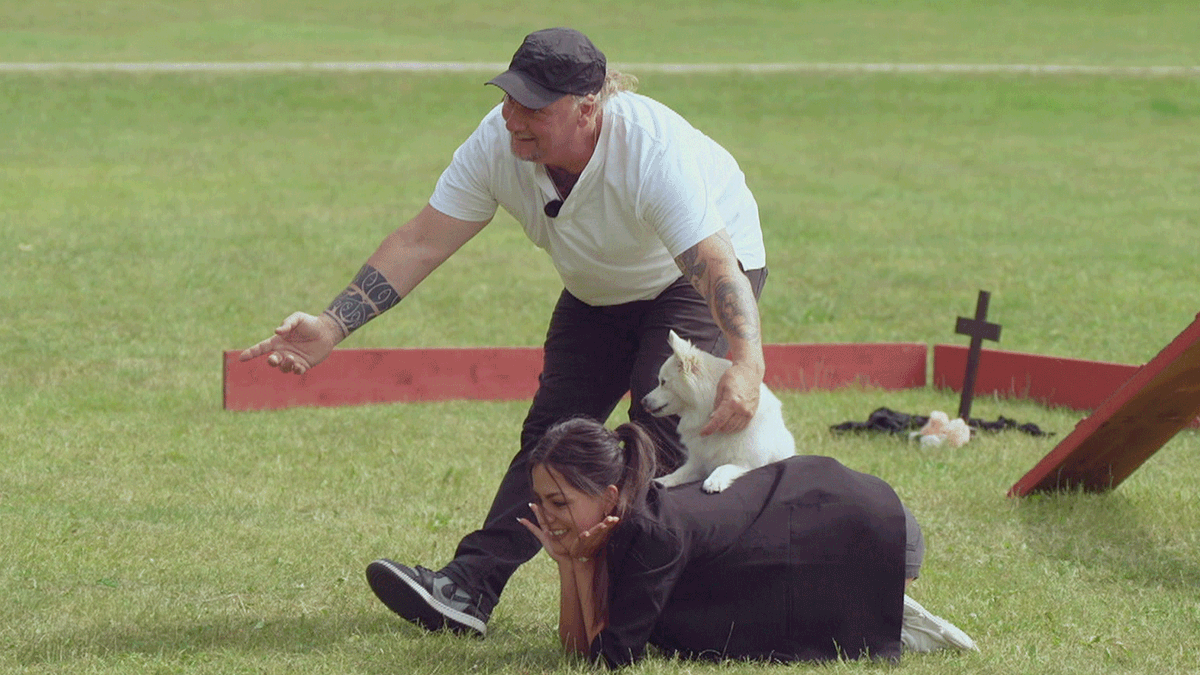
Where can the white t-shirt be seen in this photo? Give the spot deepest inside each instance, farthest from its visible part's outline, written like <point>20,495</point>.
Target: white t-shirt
<point>654,187</point>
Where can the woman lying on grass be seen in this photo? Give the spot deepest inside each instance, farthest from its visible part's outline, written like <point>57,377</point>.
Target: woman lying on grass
<point>803,559</point>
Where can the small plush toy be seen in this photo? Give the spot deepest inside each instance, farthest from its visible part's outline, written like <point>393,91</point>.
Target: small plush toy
<point>941,429</point>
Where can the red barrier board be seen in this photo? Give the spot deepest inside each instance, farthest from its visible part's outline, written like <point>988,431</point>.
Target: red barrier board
<point>1057,382</point>
<point>361,376</point>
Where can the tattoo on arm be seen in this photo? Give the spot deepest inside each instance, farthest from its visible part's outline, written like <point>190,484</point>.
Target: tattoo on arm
<point>730,302</point>
<point>368,296</point>
<point>692,266</point>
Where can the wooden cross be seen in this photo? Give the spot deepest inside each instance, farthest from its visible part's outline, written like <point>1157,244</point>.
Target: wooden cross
<point>979,330</point>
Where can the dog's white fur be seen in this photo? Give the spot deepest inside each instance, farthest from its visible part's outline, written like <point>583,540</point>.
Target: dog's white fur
<point>687,386</point>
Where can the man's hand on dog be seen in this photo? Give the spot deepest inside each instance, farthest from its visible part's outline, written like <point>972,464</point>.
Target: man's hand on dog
<point>737,400</point>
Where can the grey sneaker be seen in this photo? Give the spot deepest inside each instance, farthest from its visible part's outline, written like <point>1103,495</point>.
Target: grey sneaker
<point>427,598</point>
<point>923,631</point>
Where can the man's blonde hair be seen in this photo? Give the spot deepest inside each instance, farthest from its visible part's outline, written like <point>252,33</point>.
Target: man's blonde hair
<point>615,82</point>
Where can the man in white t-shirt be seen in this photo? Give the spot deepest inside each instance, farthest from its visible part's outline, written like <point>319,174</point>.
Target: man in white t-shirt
<point>650,225</point>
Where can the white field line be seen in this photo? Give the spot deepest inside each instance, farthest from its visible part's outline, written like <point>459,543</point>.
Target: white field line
<point>757,68</point>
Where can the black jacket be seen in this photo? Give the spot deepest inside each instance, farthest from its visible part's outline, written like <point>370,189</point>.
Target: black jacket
<point>802,559</point>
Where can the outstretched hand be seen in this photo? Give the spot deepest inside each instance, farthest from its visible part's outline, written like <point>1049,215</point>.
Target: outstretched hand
<point>299,343</point>
<point>736,402</point>
<point>582,549</point>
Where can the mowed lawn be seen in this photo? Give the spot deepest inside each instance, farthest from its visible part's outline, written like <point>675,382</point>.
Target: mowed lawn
<point>149,221</point>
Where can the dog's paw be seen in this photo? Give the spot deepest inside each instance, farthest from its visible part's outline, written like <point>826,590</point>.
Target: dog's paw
<point>722,478</point>
<point>671,479</point>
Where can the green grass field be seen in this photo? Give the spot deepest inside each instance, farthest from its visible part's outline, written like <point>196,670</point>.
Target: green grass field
<point>149,221</point>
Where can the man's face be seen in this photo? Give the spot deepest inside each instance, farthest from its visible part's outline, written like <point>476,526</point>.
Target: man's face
<point>541,136</point>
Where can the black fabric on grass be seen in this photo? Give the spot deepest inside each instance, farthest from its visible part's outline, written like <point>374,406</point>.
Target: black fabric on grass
<point>886,420</point>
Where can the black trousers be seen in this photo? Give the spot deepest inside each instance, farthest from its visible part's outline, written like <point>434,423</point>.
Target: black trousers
<point>593,356</point>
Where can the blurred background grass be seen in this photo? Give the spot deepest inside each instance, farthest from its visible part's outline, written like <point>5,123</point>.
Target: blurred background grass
<point>150,221</point>
<point>1104,32</point>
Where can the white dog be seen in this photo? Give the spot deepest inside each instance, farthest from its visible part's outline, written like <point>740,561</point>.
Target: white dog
<point>687,386</point>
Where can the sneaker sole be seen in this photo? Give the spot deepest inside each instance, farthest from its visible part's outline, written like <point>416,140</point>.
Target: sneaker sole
<point>919,619</point>
<point>405,596</point>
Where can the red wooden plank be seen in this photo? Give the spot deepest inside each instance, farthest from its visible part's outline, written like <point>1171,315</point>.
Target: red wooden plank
<point>900,365</point>
<point>1071,383</point>
<point>1160,399</point>
<point>358,376</point>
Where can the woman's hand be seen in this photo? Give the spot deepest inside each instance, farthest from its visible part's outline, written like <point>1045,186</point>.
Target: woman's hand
<point>582,549</point>
<point>554,548</point>
<point>593,540</point>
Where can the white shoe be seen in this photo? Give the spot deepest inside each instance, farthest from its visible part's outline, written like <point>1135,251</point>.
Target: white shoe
<point>925,632</point>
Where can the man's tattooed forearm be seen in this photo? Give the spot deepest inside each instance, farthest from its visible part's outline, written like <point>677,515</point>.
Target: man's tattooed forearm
<point>368,296</point>
<point>691,265</point>
<point>732,303</point>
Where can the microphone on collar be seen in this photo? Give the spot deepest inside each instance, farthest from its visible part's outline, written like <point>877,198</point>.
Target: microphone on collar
<point>552,208</point>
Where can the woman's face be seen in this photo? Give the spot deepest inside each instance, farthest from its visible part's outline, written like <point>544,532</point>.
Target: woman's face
<point>566,512</point>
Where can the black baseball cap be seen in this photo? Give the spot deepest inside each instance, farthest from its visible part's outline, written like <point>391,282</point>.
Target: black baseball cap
<point>550,64</point>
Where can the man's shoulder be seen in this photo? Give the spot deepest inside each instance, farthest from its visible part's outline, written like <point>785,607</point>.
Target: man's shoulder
<point>641,109</point>
<point>488,143</point>
<point>647,127</point>
<point>491,126</point>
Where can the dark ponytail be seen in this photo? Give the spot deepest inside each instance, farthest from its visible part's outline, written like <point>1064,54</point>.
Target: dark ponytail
<point>590,457</point>
<point>641,463</point>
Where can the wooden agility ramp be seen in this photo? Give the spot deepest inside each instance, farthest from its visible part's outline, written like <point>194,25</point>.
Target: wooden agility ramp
<point>1159,400</point>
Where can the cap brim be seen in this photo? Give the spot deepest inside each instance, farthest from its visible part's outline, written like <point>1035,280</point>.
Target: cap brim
<point>523,90</point>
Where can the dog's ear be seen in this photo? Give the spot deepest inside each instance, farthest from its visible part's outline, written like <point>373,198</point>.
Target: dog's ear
<point>687,356</point>
<point>690,363</point>
<point>678,344</point>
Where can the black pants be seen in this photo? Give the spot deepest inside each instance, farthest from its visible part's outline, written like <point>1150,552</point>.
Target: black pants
<point>593,356</point>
